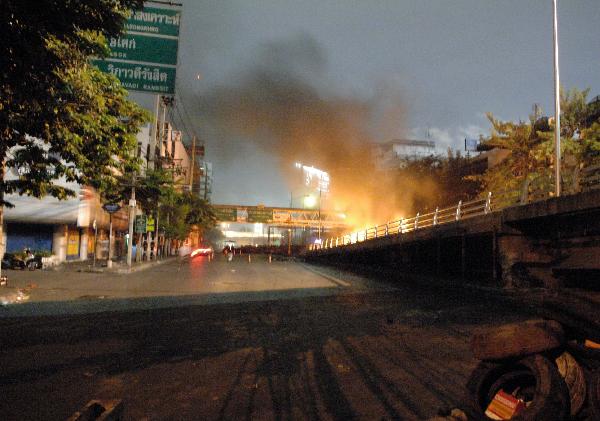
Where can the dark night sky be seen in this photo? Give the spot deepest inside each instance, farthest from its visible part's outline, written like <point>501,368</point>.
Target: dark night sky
<point>448,61</point>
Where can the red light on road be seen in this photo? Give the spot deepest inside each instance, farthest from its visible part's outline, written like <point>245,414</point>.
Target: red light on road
<point>201,252</point>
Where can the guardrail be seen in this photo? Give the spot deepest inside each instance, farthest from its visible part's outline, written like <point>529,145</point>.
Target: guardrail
<point>532,190</point>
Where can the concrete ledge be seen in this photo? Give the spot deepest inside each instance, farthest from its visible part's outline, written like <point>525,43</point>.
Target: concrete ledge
<point>587,202</point>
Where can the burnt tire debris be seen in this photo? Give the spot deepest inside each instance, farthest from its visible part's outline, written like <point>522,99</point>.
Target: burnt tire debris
<point>546,376</point>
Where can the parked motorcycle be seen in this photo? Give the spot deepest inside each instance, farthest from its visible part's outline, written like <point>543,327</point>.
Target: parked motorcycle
<point>21,262</point>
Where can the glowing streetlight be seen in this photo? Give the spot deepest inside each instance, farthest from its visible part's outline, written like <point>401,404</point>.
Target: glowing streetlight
<point>310,201</point>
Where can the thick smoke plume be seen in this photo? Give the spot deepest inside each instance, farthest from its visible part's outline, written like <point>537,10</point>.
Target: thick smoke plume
<point>284,105</point>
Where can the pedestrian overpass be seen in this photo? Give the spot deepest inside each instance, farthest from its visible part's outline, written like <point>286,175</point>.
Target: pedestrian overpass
<point>281,217</point>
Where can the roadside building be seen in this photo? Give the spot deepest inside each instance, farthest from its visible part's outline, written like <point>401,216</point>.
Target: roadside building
<point>62,228</point>
<point>393,154</point>
<point>65,228</point>
<point>204,183</point>
<point>76,228</point>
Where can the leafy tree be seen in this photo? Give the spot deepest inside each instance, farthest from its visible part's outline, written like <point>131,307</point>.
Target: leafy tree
<point>523,160</point>
<point>181,211</point>
<point>60,117</point>
<point>436,180</point>
<point>177,212</point>
<point>200,214</point>
<point>531,145</point>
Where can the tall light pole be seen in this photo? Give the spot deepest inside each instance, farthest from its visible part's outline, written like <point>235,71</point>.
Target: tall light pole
<point>556,106</point>
<point>319,233</point>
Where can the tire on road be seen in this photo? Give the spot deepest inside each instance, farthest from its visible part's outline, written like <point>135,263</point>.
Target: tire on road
<point>593,387</point>
<point>517,339</point>
<point>574,378</point>
<point>538,382</point>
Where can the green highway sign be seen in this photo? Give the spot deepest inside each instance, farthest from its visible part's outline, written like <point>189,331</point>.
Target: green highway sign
<point>260,215</point>
<point>144,58</point>
<point>136,77</point>
<point>149,49</point>
<point>226,214</point>
<point>152,20</point>
<point>140,224</point>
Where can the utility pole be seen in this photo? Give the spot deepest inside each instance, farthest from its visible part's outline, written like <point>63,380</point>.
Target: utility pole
<point>319,212</point>
<point>205,180</point>
<point>193,164</point>
<point>556,106</point>
<point>95,226</point>
<point>154,135</point>
<point>110,240</point>
<point>132,205</point>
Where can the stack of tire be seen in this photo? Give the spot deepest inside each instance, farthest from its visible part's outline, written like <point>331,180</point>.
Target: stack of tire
<point>557,377</point>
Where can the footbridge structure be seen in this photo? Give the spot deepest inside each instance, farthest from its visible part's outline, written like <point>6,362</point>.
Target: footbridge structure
<point>281,217</point>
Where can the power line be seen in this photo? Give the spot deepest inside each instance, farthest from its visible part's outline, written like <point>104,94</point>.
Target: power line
<point>188,115</point>
<point>182,120</point>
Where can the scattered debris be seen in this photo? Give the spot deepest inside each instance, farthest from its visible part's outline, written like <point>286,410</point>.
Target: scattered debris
<point>453,415</point>
<point>526,372</point>
<point>99,410</point>
<point>19,296</point>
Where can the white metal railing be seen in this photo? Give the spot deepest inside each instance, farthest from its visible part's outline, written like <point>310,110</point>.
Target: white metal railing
<point>581,180</point>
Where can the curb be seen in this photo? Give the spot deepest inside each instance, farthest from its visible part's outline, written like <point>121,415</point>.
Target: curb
<point>141,266</point>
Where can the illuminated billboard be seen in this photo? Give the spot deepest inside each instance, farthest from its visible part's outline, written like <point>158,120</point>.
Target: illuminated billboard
<point>314,178</point>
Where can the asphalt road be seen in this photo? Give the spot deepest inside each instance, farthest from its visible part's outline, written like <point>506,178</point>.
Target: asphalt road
<point>218,340</point>
<point>191,281</point>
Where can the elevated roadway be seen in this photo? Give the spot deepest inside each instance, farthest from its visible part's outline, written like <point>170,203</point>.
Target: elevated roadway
<point>548,243</point>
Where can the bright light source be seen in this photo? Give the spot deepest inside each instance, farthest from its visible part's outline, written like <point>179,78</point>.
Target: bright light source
<point>314,176</point>
<point>318,241</point>
<point>310,201</point>
<point>202,252</point>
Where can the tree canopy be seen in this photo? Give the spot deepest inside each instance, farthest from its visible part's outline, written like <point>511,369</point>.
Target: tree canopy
<point>178,211</point>
<point>531,144</point>
<point>60,117</point>
<point>435,180</point>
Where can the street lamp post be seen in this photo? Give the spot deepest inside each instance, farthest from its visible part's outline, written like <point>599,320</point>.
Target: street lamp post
<point>556,106</point>
<point>319,230</point>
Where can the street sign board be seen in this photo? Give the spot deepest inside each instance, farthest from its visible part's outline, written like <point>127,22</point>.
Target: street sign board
<point>144,58</point>
<point>150,224</point>
<point>149,49</point>
<point>263,215</point>
<point>139,77</point>
<point>111,207</point>
<point>154,21</point>
<point>140,224</point>
<point>226,214</point>
<point>281,216</point>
